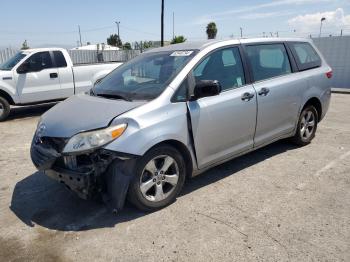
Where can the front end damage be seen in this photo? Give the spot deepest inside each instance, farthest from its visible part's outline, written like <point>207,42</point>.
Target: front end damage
<point>90,175</point>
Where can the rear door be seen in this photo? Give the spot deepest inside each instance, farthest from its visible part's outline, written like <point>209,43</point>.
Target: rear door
<point>223,125</point>
<point>41,82</point>
<point>278,90</point>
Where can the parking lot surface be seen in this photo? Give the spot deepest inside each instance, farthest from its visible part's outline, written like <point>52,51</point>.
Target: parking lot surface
<point>280,203</point>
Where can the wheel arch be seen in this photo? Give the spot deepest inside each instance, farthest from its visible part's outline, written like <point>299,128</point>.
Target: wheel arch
<point>5,95</point>
<point>183,151</point>
<point>314,101</point>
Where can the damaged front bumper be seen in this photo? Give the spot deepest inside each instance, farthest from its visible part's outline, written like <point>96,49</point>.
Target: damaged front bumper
<point>86,174</point>
<point>80,183</point>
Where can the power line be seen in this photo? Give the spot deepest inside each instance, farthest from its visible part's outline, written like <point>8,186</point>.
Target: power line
<point>138,31</point>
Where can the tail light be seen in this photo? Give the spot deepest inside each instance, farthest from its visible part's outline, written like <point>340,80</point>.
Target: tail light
<point>329,74</point>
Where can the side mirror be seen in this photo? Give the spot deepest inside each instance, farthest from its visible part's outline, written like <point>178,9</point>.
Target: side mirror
<point>205,88</point>
<point>23,68</point>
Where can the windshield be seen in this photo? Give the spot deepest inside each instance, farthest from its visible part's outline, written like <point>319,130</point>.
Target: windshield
<point>9,64</point>
<point>144,77</point>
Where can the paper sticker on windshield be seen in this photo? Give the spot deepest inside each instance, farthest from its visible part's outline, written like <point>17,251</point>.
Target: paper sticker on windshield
<point>181,53</point>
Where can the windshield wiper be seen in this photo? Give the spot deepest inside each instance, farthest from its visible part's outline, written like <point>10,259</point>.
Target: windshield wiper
<point>114,96</point>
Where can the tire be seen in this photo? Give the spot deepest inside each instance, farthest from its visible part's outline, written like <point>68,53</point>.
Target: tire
<point>4,109</point>
<point>304,134</point>
<point>162,169</point>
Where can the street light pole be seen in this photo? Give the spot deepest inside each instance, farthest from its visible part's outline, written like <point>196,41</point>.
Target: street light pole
<point>322,20</point>
<point>117,23</point>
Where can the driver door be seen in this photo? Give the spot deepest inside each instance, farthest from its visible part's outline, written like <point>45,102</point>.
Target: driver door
<point>223,125</point>
<point>40,82</point>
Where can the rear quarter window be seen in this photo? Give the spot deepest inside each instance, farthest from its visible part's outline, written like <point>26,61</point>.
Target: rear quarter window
<point>59,59</point>
<point>305,56</point>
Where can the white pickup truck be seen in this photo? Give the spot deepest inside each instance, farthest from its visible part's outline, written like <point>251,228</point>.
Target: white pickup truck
<point>42,75</point>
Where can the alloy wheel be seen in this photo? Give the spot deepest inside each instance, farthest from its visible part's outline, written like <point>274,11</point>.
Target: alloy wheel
<point>307,125</point>
<point>159,178</point>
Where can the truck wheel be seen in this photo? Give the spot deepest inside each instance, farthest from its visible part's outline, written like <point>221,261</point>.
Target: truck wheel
<point>4,109</point>
<point>160,175</point>
<point>307,126</point>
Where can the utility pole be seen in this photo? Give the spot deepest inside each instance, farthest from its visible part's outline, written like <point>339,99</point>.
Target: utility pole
<point>80,36</point>
<point>173,25</point>
<point>241,31</point>
<point>322,19</point>
<point>162,25</point>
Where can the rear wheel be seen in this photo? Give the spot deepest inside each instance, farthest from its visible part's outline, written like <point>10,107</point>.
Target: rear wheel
<point>307,126</point>
<point>160,175</point>
<point>4,109</point>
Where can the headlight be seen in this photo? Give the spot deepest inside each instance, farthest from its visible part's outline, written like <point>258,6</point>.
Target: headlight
<point>90,140</point>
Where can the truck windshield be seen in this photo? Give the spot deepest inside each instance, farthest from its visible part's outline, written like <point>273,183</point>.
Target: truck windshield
<point>144,77</point>
<point>9,64</point>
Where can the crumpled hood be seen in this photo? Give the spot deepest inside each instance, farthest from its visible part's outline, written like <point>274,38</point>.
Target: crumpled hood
<point>83,113</point>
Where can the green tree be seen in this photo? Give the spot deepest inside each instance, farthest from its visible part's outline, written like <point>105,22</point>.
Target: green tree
<point>25,45</point>
<point>127,46</point>
<point>147,44</point>
<point>114,40</point>
<point>178,39</point>
<point>211,30</point>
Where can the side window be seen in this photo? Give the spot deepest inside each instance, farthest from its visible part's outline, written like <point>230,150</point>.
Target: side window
<point>268,61</point>
<point>198,71</point>
<point>224,65</point>
<point>305,55</point>
<point>59,59</point>
<point>40,61</point>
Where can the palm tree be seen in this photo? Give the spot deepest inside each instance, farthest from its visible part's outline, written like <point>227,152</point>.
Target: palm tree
<point>211,30</point>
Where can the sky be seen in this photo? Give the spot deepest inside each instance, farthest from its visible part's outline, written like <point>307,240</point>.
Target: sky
<point>55,22</point>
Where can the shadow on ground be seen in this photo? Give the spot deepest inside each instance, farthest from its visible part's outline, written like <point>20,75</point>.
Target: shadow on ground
<point>29,111</point>
<point>39,200</point>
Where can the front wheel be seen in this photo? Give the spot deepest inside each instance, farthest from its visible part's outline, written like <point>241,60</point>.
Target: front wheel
<point>160,175</point>
<point>4,109</point>
<point>307,126</point>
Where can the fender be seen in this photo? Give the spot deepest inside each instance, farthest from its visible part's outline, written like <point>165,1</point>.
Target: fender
<point>7,91</point>
<point>149,126</point>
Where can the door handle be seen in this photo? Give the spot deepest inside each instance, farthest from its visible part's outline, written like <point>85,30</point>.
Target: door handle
<point>247,96</point>
<point>264,91</point>
<point>53,75</point>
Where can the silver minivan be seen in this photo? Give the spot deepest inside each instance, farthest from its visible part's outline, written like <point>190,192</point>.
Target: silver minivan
<point>173,112</point>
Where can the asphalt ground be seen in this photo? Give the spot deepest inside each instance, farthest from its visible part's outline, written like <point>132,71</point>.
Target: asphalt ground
<point>280,203</point>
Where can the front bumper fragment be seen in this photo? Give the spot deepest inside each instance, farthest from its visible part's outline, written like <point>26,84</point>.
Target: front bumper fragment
<point>87,174</point>
<point>80,183</point>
